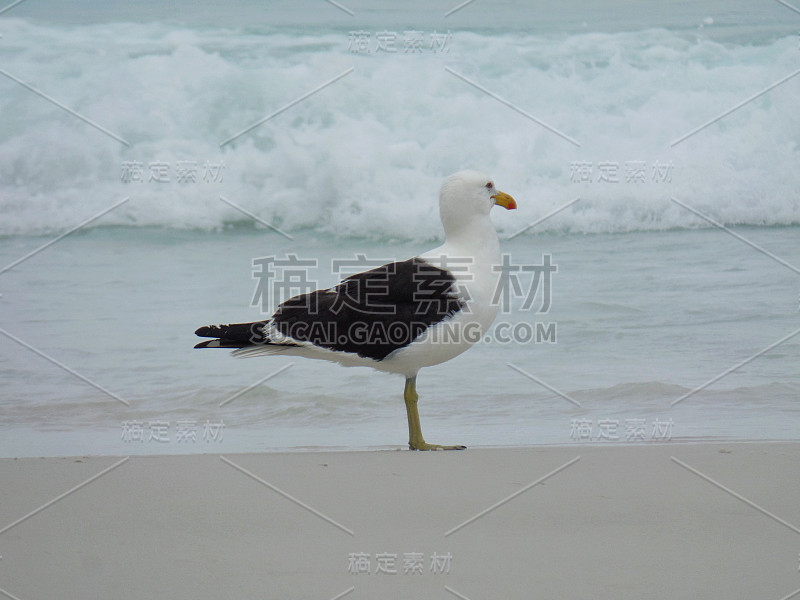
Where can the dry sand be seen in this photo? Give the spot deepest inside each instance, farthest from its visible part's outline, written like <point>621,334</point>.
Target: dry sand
<point>609,522</point>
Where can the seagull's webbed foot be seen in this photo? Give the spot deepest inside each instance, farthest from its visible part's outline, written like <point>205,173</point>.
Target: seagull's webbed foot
<point>415,439</point>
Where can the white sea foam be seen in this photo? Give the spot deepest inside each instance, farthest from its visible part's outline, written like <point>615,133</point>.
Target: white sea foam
<point>368,152</point>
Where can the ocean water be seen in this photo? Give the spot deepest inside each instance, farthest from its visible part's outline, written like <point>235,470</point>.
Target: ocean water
<point>149,154</point>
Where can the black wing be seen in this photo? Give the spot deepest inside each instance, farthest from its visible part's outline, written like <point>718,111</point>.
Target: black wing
<point>373,313</point>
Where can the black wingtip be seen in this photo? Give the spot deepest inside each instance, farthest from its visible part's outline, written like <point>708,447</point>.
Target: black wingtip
<point>207,331</point>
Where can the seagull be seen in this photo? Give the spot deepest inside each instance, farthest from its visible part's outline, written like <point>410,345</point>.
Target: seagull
<point>401,316</point>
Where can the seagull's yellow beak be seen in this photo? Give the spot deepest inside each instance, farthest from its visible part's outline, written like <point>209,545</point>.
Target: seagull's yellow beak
<point>504,200</point>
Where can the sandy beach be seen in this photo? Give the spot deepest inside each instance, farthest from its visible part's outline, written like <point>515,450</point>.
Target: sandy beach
<point>638,521</point>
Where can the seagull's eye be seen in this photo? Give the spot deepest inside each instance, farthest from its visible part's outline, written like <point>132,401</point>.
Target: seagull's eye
<point>489,185</point>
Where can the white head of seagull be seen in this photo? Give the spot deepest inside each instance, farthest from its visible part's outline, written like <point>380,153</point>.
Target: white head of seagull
<point>465,200</point>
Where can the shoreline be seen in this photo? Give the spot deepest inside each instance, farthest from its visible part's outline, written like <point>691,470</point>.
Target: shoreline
<point>594,444</point>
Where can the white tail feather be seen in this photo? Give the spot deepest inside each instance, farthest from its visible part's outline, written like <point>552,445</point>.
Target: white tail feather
<point>264,350</point>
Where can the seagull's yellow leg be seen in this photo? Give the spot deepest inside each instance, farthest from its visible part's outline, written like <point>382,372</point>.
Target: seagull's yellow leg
<point>415,440</point>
